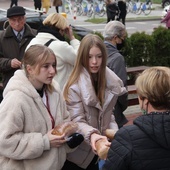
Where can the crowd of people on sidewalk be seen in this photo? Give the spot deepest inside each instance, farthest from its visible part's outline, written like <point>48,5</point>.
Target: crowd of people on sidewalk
<point>49,82</point>
<point>42,4</point>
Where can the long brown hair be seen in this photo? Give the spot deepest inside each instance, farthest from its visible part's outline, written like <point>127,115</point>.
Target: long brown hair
<point>87,43</point>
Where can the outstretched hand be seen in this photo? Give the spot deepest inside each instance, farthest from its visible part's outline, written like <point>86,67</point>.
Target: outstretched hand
<point>94,138</point>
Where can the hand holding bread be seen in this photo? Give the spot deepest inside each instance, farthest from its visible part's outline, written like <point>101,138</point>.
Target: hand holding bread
<point>66,128</point>
<point>110,133</point>
<point>102,148</point>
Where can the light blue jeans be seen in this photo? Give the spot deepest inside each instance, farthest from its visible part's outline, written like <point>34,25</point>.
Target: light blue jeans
<point>101,162</point>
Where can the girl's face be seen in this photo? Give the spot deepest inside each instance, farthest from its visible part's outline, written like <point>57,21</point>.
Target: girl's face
<point>46,74</point>
<point>95,59</point>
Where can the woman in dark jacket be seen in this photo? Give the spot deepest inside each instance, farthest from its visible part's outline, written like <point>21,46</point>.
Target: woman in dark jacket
<point>145,145</point>
<point>14,2</point>
<point>37,4</point>
<point>123,11</point>
<point>111,9</point>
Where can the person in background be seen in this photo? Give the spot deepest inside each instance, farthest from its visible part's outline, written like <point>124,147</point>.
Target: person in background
<point>166,19</point>
<point>122,11</point>
<point>37,4</point>
<point>114,35</point>
<point>32,106</point>
<point>57,3</point>
<point>46,4</point>
<point>54,27</point>
<point>145,145</point>
<point>90,93</point>
<point>13,42</point>
<point>14,2</point>
<point>112,10</point>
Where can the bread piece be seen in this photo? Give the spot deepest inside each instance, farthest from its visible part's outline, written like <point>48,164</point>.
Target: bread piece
<point>110,133</point>
<point>66,128</point>
<point>102,149</point>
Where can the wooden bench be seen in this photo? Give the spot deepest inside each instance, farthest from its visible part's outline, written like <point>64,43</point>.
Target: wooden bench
<point>136,69</point>
<point>132,72</point>
<point>132,91</point>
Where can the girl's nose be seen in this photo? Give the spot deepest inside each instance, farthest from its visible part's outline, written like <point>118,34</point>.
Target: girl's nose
<point>52,69</point>
<point>94,60</point>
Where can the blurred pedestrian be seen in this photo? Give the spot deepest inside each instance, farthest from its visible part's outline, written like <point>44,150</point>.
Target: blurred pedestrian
<point>32,106</point>
<point>112,10</point>
<point>13,42</point>
<point>91,93</point>
<point>46,4</point>
<point>14,2</point>
<point>122,11</point>
<point>55,27</point>
<point>37,4</point>
<point>166,19</point>
<point>114,35</point>
<point>145,145</point>
<point>57,3</point>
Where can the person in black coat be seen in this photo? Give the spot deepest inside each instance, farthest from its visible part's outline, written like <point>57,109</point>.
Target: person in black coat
<point>145,145</point>
<point>14,2</point>
<point>122,11</point>
<point>37,4</point>
<point>112,10</point>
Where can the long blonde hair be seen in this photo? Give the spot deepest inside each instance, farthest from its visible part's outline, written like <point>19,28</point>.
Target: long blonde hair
<point>87,43</point>
<point>36,56</point>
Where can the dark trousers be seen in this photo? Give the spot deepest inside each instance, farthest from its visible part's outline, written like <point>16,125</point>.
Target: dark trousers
<point>14,2</point>
<point>57,10</point>
<point>122,17</point>
<point>92,166</point>
<point>37,4</point>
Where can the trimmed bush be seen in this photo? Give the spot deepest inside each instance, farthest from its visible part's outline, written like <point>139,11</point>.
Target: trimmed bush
<point>161,37</point>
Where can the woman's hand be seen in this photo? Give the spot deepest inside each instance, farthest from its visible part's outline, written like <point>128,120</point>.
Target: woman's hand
<point>56,141</point>
<point>69,33</point>
<point>94,138</point>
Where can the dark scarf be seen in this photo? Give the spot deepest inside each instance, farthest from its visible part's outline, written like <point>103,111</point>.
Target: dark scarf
<point>52,30</point>
<point>41,92</point>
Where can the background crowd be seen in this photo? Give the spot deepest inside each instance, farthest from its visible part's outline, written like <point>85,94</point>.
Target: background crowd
<point>48,81</point>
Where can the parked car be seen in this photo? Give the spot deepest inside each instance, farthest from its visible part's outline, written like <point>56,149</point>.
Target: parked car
<point>165,3</point>
<point>34,20</point>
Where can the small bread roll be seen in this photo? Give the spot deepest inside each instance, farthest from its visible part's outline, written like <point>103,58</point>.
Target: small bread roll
<point>110,133</point>
<point>66,128</point>
<point>102,149</point>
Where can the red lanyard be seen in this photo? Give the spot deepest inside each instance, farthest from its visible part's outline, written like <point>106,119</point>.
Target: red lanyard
<point>48,108</point>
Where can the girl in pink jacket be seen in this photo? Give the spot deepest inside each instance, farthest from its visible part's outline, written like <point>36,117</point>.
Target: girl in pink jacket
<point>167,19</point>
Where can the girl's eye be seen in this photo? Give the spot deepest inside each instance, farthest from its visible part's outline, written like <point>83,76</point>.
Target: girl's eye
<point>45,66</point>
<point>54,65</point>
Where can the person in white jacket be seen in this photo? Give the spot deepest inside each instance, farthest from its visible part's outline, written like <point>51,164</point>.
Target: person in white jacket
<point>32,106</point>
<point>54,27</point>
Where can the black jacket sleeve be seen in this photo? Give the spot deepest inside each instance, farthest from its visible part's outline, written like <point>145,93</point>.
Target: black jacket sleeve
<point>119,155</point>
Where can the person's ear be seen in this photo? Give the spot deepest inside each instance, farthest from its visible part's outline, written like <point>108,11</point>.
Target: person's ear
<point>30,70</point>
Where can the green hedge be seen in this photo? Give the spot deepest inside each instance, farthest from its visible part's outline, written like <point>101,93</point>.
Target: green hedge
<point>150,50</point>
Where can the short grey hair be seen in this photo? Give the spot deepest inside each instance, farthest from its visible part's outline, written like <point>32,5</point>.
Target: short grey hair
<point>112,29</point>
